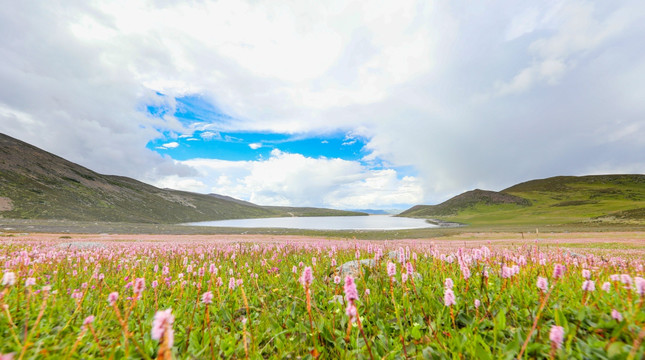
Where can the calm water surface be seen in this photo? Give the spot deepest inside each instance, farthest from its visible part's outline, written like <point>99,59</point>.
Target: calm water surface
<point>372,222</point>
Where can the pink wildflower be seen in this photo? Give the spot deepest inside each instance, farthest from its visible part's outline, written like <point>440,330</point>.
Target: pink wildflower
<point>586,274</point>
<point>154,284</point>
<point>606,286</point>
<point>351,293</point>
<point>88,320</point>
<point>639,285</point>
<point>391,269</point>
<point>507,272</point>
<point>30,281</point>
<point>589,285</point>
<point>8,279</point>
<point>336,279</point>
<point>351,311</point>
<point>449,298</point>
<point>113,297</point>
<point>542,284</point>
<point>614,277</point>
<point>207,297</point>
<point>448,283</point>
<point>307,277</point>
<point>240,282</point>
<point>616,315</point>
<point>139,286</point>
<point>401,255</point>
<point>333,262</point>
<point>162,326</point>
<point>404,277</point>
<point>558,271</point>
<point>477,303</point>
<point>626,279</point>
<point>212,269</point>
<point>556,336</point>
<point>231,283</point>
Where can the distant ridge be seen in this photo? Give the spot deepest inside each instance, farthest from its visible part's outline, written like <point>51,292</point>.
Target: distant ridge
<point>592,199</point>
<point>35,184</point>
<point>464,201</point>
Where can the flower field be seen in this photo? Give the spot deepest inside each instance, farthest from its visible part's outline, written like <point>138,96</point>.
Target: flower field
<point>311,299</point>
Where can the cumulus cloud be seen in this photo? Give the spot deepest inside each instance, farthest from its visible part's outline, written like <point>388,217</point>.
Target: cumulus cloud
<point>294,179</point>
<point>469,94</point>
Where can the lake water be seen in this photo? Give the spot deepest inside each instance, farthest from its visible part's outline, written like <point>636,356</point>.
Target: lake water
<point>372,222</point>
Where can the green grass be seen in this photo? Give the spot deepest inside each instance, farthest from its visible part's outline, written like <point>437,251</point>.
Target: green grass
<point>606,199</point>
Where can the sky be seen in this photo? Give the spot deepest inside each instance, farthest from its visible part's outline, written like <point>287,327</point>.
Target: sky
<point>342,104</point>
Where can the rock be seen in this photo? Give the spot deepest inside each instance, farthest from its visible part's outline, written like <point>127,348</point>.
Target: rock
<point>81,245</point>
<point>353,267</point>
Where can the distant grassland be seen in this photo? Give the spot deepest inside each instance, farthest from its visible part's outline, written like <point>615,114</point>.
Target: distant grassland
<point>605,199</point>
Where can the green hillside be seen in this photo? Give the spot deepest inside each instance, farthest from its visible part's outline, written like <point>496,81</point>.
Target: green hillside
<point>35,184</point>
<point>606,199</point>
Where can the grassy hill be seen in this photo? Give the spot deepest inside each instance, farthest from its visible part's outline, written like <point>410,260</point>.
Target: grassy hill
<point>35,184</point>
<point>606,199</point>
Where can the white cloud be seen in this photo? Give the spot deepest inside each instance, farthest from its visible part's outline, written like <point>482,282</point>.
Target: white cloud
<point>255,146</point>
<point>170,145</point>
<point>293,179</point>
<point>562,83</point>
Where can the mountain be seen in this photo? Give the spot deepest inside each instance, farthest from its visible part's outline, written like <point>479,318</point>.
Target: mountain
<point>556,200</point>
<point>35,184</point>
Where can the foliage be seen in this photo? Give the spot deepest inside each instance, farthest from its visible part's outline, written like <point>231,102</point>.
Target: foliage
<point>263,307</point>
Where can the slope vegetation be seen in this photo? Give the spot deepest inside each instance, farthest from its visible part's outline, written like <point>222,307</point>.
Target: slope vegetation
<point>590,199</point>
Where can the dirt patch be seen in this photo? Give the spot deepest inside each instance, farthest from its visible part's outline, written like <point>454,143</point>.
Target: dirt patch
<point>6,204</point>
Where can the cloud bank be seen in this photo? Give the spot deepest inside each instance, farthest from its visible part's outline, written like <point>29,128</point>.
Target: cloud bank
<point>467,94</point>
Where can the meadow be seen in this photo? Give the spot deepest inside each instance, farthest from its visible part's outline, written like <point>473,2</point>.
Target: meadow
<point>282,297</point>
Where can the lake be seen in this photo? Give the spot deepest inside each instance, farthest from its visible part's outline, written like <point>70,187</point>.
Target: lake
<point>372,222</point>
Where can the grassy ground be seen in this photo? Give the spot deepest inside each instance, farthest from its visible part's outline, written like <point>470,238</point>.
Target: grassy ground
<point>12,226</point>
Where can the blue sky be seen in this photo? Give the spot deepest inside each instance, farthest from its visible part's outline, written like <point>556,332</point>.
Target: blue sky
<point>255,99</point>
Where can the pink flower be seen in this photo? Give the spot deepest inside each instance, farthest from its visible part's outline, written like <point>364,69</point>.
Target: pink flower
<point>589,285</point>
<point>625,279</point>
<point>542,284</point>
<point>449,298</point>
<point>556,336</point>
<point>351,293</point>
<point>212,269</point>
<point>639,285</point>
<point>307,277</point>
<point>88,320</point>
<point>409,268</point>
<point>465,272</point>
<point>614,277</point>
<point>507,272</point>
<point>401,255</point>
<point>391,269</point>
<point>231,283</point>
<point>162,326</point>
<point>139,286</point>
<point>558,271</point>
<point>294,269</point>
<point>8,279</point>
<point>6,356</point>
<point>336,279</point>
<point>586,274</point>
<point>30,281</point>
<point>333,262</point>
<point>351,311</point>
<point>207,297</point>
<point>240,282</point>
<point>448,283</point>
<point>113,297</point>
<point>154,284</point>
<point>367,292</point>
<point>477,303</point>
<point>606,286</point>
<point>616,315</point>
<point>404,277</point>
